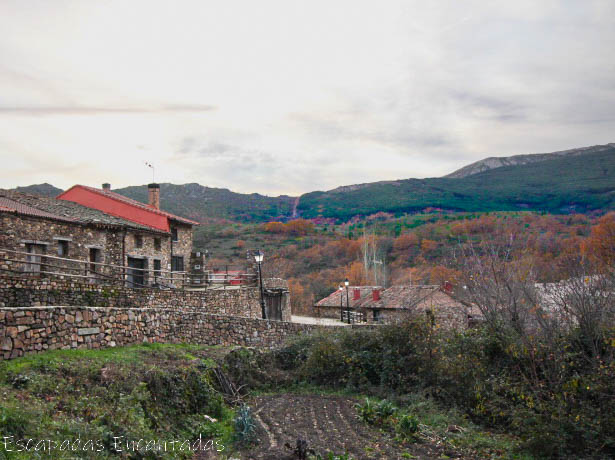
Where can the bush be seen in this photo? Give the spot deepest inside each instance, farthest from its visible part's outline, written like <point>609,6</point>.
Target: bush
<point>558,398</point>
<point>407,426</point>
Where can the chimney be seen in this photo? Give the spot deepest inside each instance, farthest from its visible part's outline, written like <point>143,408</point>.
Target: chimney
<point>154,195</point>
<point>376,295</point>
<point>106,187</point>
<point>448,286</point>
<point>356,294</point>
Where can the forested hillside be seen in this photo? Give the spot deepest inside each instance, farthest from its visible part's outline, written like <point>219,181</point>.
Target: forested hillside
<point>573,183</point>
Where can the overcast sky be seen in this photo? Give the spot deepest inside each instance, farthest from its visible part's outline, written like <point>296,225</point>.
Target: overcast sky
<point>294,96</point>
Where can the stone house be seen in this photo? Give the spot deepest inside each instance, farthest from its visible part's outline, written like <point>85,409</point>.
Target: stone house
<point>143,251</point>
<point>377,305</point>
<point>65,228</point>
<point>43,226</point>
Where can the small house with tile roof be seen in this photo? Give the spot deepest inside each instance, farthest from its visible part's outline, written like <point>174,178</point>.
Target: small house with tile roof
<point>377,305</point>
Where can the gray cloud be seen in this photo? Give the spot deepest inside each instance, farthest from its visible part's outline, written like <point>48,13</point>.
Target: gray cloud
<point>405,89</point>
<point>101,110</point>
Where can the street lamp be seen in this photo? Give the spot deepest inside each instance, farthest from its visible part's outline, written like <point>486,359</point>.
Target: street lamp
<point>341,303</point>
<point>258,256</point>
<point>346,283</point>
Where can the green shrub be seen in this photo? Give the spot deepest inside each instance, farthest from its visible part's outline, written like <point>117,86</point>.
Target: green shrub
<point>407,426</point>
<point>245,428</point>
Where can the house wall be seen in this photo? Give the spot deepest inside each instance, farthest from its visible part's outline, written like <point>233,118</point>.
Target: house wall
<point>31,330</point>
<point>115,244</point>
<point>183,247</point>
<point>149,251</point>
<point>17,228</point>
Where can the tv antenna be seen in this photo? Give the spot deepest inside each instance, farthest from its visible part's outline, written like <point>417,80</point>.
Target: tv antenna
<point>149,165</point>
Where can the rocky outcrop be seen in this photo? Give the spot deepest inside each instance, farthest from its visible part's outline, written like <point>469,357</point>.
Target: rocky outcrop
<point>515,160</point>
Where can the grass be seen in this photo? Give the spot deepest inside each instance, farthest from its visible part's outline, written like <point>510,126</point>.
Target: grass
<point>150,392</point>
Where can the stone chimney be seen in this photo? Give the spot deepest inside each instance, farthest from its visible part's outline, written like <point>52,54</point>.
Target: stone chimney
<point>154,195</point>
<point>106,187</point>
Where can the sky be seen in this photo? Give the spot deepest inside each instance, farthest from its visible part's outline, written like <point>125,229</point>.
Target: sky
<point>287,97</point>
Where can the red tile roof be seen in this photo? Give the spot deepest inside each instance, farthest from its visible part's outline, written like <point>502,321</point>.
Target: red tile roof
<point>130,201</point>
<point>333,299</point>
<point>400,297</point>
<point>117,205</point>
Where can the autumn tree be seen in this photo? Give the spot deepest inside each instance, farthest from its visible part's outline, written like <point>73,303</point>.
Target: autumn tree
<point>600,245</point>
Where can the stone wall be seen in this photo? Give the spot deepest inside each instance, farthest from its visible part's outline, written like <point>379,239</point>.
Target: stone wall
<point>18,230</point>
<point>182,247</point>
<point>115,245</point>
<point>37,329</point>
<point>29,292</point>
<point>149,252</point>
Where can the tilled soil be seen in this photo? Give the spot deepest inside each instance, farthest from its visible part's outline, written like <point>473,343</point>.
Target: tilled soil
<point>327,424</point>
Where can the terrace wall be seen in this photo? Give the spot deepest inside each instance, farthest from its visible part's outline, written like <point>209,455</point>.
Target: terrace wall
<point>24,292</point>
<point>37,329</point>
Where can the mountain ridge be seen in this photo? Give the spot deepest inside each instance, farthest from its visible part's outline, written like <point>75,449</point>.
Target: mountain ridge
<point>574,180</point>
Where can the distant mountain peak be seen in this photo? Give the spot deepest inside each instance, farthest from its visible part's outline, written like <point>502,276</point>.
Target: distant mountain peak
<point>515,160</point>
<point>45,189</point>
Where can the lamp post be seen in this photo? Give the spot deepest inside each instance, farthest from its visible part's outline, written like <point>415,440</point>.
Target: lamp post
<point>346,283</point>
<point>341,303</point>
<point>258,256</point>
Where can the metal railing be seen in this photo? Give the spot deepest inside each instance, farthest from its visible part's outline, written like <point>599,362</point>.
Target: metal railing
<point>352,317</point>
<point>31,264</point>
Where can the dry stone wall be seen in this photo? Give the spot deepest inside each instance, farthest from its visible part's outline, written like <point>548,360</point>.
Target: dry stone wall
<point>33,292</point>
<point>37,329</point>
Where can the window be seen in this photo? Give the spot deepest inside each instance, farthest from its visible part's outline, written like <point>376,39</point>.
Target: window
<point>197,267</point>
<point>62,248</point>
<point>157,266</point>
<point>177,264</point>
<point>138,241</point>
<point>95,256</point>
<point>157,245</point>
<point>174,236</point>
<point>34,258</point>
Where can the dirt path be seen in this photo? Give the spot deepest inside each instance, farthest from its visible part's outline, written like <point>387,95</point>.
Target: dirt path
<point>328,424</point>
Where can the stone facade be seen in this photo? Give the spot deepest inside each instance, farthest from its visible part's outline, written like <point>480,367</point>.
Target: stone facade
<point>37,329</point>
<point>114,246</point>
<point>183,246</point>
<point>17,231</point>
<point>149,247</point>
<point>49,226</point>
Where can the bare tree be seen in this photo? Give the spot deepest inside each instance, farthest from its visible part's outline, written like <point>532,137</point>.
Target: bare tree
<point>584,301</point>
<point>374,259</point>
<point>500,279</point>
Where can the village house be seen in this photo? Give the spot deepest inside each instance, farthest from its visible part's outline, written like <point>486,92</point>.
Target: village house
<point>373,304</point>
<point>142,251</point>
<point>96,228</point>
